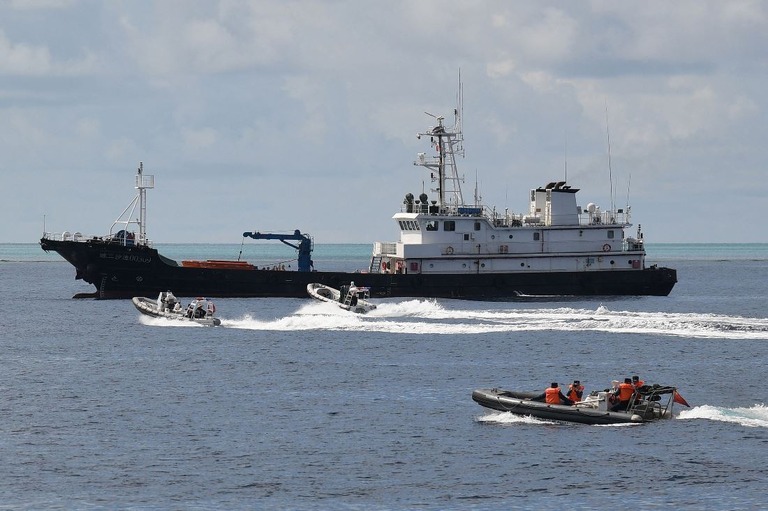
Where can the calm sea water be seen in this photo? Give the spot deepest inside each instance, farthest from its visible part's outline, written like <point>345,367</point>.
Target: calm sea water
<point>293,404</point>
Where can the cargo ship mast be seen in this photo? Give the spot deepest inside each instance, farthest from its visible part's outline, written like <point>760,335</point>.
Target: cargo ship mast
<point>143,183</point>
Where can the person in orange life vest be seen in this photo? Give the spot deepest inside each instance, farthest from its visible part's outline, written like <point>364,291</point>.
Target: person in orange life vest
<point>575,391</point>
<point>553,396</point>
<point>637,382</point>
<point>624,394</point>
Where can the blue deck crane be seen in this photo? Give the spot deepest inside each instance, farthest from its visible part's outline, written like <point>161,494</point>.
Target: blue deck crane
<point>304,247</point>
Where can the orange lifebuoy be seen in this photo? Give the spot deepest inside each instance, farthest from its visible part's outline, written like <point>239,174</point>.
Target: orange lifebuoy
<point>606,248</point>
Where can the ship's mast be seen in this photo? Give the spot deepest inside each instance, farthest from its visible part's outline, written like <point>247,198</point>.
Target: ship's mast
<point>448,142</point>
<point>142,183</point>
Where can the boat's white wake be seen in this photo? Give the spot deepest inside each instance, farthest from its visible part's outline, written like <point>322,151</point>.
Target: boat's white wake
<point>754,417</point>
<point>431,317</point>
<point>511,418</point>
<point>150,321</point>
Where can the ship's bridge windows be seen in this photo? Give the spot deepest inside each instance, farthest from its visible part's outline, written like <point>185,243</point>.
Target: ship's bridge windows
<point>408,225</point>
<point>477,226</point>
<point>449,225</point>
<point>432,225</point>
<point>611,234</point>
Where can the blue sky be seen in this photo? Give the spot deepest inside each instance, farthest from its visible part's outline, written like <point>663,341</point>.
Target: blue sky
<point>282,115</point>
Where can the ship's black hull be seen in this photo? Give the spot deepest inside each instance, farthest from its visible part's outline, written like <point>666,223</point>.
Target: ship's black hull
<point>119,271</point>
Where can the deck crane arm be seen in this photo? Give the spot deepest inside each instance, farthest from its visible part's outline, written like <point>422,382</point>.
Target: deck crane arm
<point>304,246</point>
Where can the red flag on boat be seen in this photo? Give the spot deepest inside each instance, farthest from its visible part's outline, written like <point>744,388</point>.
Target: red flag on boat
<point>679,399</point>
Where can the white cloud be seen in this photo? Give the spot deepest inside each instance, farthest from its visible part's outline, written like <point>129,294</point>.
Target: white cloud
<point>23,59</point>
<point>260,90</point>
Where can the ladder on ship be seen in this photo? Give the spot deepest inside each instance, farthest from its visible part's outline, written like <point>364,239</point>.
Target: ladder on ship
<point>375,265</point>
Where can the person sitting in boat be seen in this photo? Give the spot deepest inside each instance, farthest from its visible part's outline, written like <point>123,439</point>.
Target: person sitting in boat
<point>613,392</point>
<point>161,301</point>
<point>623,395</point>
<point>575,391</point>
<point>195,309</point>
<point>199,309</point>
<point>170,301</point>
<point>352,293</point>
<point>553,396</point>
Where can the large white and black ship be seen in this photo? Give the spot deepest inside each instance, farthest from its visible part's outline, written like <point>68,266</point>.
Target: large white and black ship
<point>447,247</point>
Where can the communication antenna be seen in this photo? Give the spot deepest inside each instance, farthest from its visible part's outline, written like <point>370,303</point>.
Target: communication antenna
<point>565,178</point>
<point>610,170</point>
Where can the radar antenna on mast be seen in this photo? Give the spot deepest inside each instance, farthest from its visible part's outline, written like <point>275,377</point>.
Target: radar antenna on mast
<point>448,143</point>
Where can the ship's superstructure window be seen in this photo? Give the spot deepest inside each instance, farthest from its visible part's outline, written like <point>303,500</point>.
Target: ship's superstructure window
<point>432,225</point>
<point>610,235</point>
<point>536,236</point>
<point>408,225</point>
<point>477,226</point>
<point>449,225</point>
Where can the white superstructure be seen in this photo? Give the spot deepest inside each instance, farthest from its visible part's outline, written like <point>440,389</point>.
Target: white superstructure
<point>442,234</point>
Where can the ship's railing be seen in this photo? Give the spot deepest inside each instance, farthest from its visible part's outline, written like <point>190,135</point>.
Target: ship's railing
<point>619,217</point>
<point>81,238</point>
<point>632,245</point>
<point>387,248</point>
